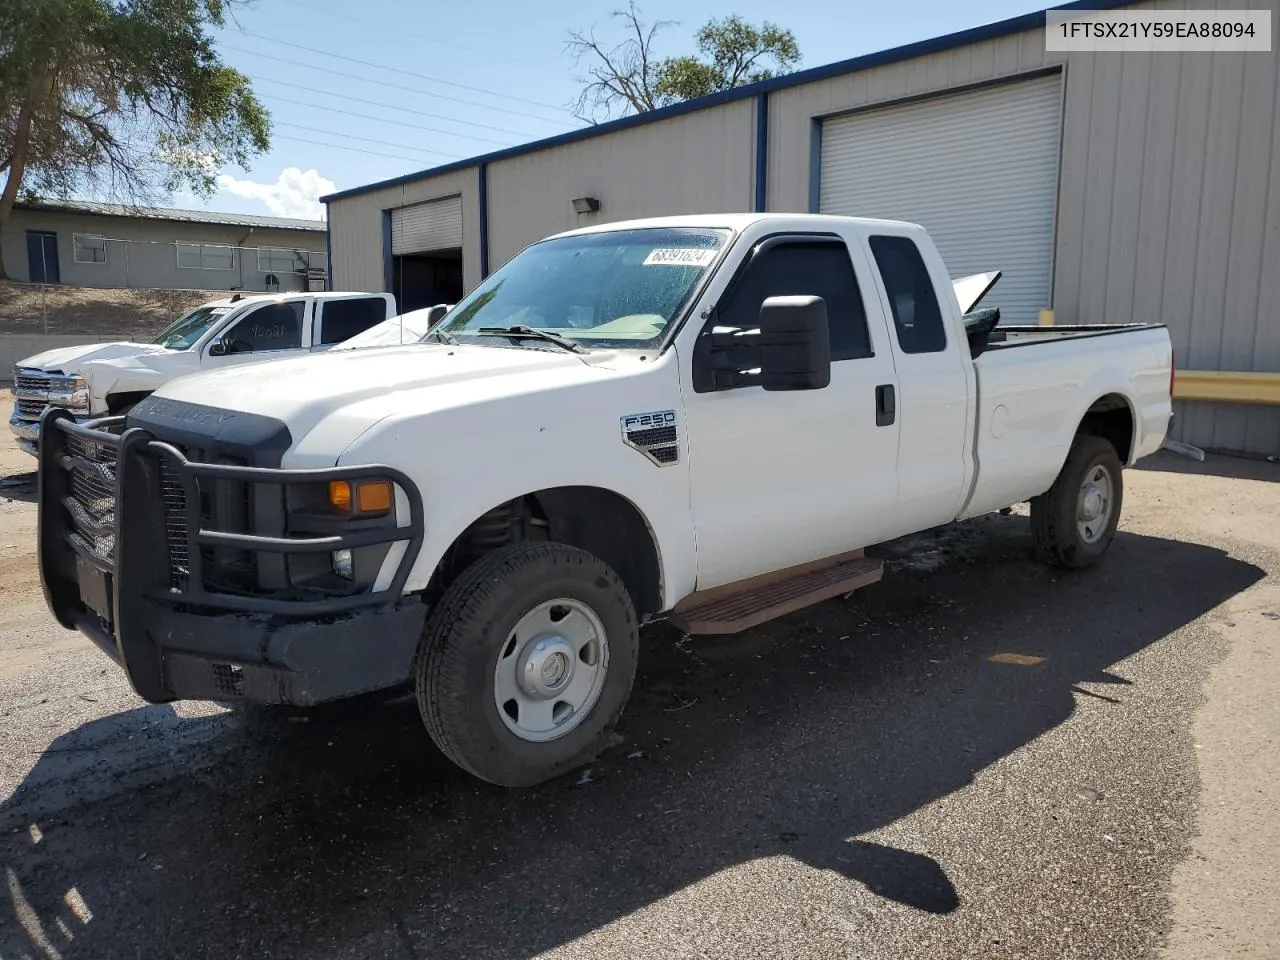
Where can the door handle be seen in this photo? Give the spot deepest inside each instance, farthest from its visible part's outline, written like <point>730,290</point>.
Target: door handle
<point>886,405</point>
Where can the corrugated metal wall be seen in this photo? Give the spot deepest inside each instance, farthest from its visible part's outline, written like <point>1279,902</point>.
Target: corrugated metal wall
<point>356,225</point>
<point>1169,196</point>
<point>698,163</point>
<point>1168,210</point>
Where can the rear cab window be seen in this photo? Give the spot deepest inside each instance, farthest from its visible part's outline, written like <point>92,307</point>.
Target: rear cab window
<point>917,317</point>
<point>342,319</point>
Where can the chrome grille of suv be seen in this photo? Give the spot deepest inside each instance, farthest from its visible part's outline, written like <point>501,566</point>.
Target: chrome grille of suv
<point>27,381</point>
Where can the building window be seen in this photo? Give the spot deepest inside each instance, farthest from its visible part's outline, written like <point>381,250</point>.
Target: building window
<point>282,260</point>
<point>88,248</point>
<point>206,256</point>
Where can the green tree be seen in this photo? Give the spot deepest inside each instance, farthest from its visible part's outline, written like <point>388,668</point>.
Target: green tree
<point>629,77</point>
<point>731,52</point>
<point>126,99</point>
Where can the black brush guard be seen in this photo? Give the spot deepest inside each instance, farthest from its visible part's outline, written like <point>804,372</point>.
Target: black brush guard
<point>107,544</point>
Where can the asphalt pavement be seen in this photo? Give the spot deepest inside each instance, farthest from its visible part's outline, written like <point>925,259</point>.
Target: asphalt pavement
<point>979,757</point>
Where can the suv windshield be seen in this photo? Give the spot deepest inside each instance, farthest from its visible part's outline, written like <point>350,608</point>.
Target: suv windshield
<point>618,289</point>
<point>186,330</point>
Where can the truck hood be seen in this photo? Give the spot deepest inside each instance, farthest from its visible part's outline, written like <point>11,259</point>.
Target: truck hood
<point>347,392</point>
<point>68,360</point>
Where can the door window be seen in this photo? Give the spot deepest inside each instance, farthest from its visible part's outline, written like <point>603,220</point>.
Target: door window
<point>916,314</point>
<point>818,268</point>
<point>275,326</point>
<point>343,319</point>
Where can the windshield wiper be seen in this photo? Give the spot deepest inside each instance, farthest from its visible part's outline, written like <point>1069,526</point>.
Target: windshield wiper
<point>520,331</point>
<point>446,338</point>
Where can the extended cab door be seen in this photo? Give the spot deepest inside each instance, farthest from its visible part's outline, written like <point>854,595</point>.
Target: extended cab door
<point>340,318</point>
<point>935,376</point>
<point>781,478</point>
<point>265,331</point>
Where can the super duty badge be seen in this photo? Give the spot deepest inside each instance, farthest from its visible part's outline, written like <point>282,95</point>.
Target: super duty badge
<point>654,435</point>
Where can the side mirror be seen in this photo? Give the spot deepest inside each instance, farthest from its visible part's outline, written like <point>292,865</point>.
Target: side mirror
<point>218,348</point>
<point>788,349</point>
<point>436,314</point>
<point>795,344</point>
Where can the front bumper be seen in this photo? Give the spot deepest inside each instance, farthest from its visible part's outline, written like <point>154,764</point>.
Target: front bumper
<point>127,542</point>
<point>28,431</point>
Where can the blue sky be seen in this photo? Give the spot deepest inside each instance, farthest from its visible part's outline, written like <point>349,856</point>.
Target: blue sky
<point>458,79</point>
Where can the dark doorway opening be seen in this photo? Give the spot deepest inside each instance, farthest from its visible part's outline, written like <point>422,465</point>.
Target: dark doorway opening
<point>42,257</point>
<point>425,279</point>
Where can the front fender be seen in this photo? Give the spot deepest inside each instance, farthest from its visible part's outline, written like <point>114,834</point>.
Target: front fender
<point>465,464</point>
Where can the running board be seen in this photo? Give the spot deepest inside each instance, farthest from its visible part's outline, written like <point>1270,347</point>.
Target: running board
<point>739,606</point>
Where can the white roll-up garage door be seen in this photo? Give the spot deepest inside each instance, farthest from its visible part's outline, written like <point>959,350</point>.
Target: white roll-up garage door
<point>423,227</point>
<point>978,170</point>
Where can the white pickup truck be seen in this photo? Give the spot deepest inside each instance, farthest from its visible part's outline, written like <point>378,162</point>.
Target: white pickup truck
<point>109,378</point>
<point>703,418</point>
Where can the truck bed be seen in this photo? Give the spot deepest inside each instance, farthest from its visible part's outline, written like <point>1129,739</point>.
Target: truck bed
<point>1004,338</point>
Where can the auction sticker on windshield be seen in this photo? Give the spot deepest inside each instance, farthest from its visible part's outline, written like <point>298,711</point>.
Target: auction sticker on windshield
<point>680,257</point>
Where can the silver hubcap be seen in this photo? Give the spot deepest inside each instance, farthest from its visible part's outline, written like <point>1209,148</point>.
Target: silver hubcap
<point>1093,508</point>
<point>551,670</point>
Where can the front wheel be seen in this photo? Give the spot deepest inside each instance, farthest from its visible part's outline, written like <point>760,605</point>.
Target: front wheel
<point>526,662</point>
<point>1075,521</point>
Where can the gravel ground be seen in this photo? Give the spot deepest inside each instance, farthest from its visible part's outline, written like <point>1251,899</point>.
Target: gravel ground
<point>979,757</point>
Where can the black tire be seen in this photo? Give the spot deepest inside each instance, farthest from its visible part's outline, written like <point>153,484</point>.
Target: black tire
<point>465,635</point>
<point>1058,538</point>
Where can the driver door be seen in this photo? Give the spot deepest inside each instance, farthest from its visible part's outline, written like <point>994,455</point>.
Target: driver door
<point>780,478</point>
<point>266,332</point>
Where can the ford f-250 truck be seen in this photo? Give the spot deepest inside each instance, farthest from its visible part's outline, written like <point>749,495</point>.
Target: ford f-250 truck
<point>704,418</point>
<point>109,378</point>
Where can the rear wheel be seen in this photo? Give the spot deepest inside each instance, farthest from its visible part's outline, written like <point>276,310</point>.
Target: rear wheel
<point>1075,521</point>
<point>526,662</point>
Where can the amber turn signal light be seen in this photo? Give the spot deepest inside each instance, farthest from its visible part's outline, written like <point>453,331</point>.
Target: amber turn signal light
<point>363,498</point>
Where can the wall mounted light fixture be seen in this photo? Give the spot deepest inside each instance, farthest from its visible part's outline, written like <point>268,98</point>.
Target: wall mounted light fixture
<point>586,204</point>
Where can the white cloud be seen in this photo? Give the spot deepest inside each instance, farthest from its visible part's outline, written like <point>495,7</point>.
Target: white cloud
<point>295,193</point>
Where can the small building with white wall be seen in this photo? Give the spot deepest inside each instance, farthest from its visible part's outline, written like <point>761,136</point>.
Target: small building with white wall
<point>1109,187</point>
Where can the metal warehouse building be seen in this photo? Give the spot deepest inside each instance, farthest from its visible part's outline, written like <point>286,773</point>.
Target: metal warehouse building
<point>1110,187</point>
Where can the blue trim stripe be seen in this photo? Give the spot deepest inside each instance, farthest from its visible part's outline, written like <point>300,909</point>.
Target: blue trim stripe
<point>483,187</point>
<point>762,152</point>
<point>989,31</point>
<point>388,271</point>
<point>815,166</point>
<point>328,250</point>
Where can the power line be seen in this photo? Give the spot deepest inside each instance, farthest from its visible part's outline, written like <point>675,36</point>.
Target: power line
<point>407,73</point>
<point>402,32</point>
<point>336,146</point>
<point>391,106</point>
<point>329,71</point>
<point>397,123</point>
<point>383,143</point>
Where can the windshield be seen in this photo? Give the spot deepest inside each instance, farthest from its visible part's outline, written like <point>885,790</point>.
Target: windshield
<point>618,289</point>
<point>186,330</point>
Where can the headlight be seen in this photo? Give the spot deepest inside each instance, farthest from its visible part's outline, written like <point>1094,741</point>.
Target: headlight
<point>69,392</point>
<point>68,384</point>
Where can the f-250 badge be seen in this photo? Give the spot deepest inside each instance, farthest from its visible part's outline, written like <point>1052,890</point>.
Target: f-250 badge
<point>654,435</point>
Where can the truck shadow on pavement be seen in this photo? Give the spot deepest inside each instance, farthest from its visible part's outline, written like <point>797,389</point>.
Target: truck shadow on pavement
<point>349,835</point>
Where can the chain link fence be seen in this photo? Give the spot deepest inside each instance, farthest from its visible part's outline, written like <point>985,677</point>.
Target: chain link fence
<point>97,313</point>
